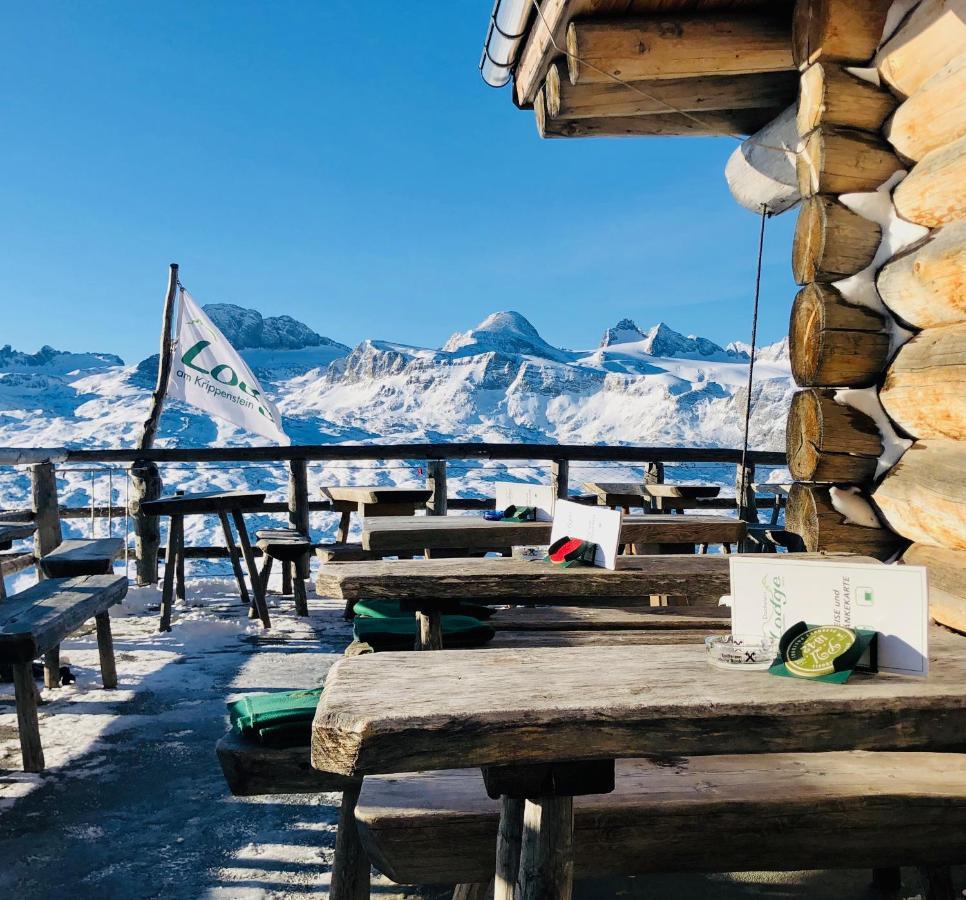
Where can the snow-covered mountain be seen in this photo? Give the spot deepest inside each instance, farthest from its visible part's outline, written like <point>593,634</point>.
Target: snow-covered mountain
<point>497,381</point>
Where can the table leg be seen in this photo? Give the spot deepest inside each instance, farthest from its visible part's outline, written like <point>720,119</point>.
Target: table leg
<point>235,561</point>
<point>170,565</point>
<point>260,606</point>
<point>430,635</point>
<point>508,848</point>
<point>547,849</point>
<point>25,695</point>
<point>342,532</point>
<point>301,599</point>
<point>350,868</point>
<point>179,571</point>
<point>105,650</point>
<point>52,667</point>
<point>286,578</point>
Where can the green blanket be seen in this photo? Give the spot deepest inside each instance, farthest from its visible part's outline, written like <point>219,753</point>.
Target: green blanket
<point>400,634</point>
<point>281,719</point>
<point>392,609</point>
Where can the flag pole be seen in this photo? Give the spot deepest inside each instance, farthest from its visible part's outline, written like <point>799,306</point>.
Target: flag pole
<point>145,477</point>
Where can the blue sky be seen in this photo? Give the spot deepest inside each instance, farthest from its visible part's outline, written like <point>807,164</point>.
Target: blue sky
<point>343,163</point>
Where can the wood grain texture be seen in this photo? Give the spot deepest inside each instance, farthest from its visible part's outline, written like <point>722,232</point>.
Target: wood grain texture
<point>926,285</point>
<point>832,343</point>
<point>923,497</point>
<point>811,515</point>
<point>360,494</point>
<point>14,531</point>
<point>207,502</point>
<point>40,617</point>
<point>394,535</point>
<point>701,579</point>
<point>576,618</point>
<point>831,241</point>
<point>844,160</point>
<point>837,30</point>
<point>930,37</point>
<point>768,90</point>
<point>43,489</point>
<point>934,115</point>
<point>547,849</point>
<point>925,386</point>
<point>73,557</point>
<point>633,49</point>
<point>821,810</point>
<point>933,193</point>
<point>947,582</point>
<point>830,442</point>
<point>830,95</point>
<point>399,712</point>
<point>602,638</point>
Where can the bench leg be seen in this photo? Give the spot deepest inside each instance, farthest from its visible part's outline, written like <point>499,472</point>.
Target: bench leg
<point>430,635</point>
<point>266,572</point>
<point>938,882</point>
<point>478,891</point>
<point>260,607</point>
<point>234,557</point>
<point>105,650</point>
<point>175,525</point>
<point>547,850</point>
<point>286,579</point>
<point>26,697</point>
<point>508,849</point>
<point>52,667</point>
<point>179,570</point>
<point>301,598</point>
<point>350,868</point>
<point>342,532</point>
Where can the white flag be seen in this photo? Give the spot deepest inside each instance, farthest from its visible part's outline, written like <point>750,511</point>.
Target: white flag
<point>207,372</point>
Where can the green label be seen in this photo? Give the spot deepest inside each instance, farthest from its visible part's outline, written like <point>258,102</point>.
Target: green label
<point>814,652</point>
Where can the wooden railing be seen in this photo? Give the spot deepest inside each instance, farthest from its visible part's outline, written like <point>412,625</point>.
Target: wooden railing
<point>46,510</point>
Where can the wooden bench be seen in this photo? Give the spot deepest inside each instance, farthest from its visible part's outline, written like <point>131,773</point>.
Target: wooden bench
<point>34,622</point>
<point>292,548</point>
<point>700,814</point>
<point>340,552</point>
<point>74,558</point>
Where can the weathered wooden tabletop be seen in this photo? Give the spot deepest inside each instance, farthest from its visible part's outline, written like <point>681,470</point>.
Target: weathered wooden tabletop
<point>686,491</point>
<point>702,579</point>
<point>14,531</point>
<point>368,495</point>
<point>631,493</point>
<point>410,712</point>
<point>395,534</point>
<point>206,502</point>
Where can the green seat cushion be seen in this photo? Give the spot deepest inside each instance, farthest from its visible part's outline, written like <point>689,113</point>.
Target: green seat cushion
<point>392,609</point>
<point>400,634</point>
<point>280,719</point>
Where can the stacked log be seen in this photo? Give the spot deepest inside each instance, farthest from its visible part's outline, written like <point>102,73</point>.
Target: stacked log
<point>835,342</point>
<point>923,497</point>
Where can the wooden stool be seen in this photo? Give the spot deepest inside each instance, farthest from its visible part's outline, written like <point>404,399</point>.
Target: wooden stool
<point>292,549</point>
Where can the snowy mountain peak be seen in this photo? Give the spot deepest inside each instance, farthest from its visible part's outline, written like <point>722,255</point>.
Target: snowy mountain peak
<point>51,361</point>
<point>505,332</point>
<point>664,341</point>
<point>246,329</point>
<point>624,332</point>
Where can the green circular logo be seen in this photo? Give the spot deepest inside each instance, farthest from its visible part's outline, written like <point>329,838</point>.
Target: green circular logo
<point>814,653</point>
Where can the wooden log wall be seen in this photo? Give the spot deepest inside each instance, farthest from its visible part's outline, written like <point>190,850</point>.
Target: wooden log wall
<point>855,135</point>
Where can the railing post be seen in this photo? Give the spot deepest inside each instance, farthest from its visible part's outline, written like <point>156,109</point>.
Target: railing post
<point>745,492</point>
<point>436,482</point>
<point>298,505</point>
<point>145,485</point>
<point>46,510</point>
<point>560,478</point>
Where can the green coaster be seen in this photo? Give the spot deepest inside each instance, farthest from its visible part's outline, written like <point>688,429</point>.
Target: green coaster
<point>825,652</point>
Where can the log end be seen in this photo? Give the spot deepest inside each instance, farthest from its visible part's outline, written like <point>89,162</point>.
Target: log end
<point>573,54</point>
<point>808,245</point>
<point>811,99</point>
<point>551,90</point>
<point>810,162</point>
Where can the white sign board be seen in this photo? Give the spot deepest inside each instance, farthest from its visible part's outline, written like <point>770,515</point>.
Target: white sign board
<point>207,372</point>
<point>519,493</point>
<point>596,524</point>
<point>770,593</point>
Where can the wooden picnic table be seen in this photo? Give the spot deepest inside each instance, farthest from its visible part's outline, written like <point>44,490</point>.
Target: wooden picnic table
<point>223,504</point>
<point>394,534</point>
<point>14,531</point>
<point>546,725</point>
<point>627,494</point>
<point>372,502</point>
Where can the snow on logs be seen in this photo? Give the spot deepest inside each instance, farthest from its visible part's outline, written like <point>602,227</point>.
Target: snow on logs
<point>761,172</point>
<point>837,30</point>
<point>933,116</point>
<point>925,387</point>
<point>831,241</point>
<point>923,497</point>
<point>934,193</point>
<point>854,528</point>
<point>632,49</point>
<point>833,343</point>
<point>932,36</point>
<point>926,284</point>
<point>829,441</point>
